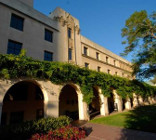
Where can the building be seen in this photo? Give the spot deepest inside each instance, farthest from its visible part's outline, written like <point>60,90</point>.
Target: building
<point>52,38</point>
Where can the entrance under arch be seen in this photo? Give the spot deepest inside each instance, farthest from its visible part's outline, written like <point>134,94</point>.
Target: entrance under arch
<point>24,101</point>
<point>68,102</point>
<point>95,105</point>
<point>111,105</point>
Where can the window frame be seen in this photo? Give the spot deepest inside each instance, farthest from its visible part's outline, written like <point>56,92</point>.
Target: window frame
<point>15,51</point>
<point>48,35</point>
<point>85,51</point>
<point>48,53</point>
<point>97,56</point>
<point>17,22</point>
<point>99,69</point>
<point>86,65</point>
<point>70,55</point>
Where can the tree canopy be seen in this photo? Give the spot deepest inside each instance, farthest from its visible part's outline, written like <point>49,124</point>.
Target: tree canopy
<point>139,36</point>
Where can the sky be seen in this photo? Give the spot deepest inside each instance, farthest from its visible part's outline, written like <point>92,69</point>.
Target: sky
<point>100,20</point>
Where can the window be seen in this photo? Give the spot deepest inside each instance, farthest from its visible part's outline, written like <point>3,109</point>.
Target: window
<point>86,65</point>
<point>14,47</point>
<point>106,59</point>
<point>108,71</point>
<point>69,32</point>
<point>114,62</point>
<point>70,54</point>
<point>16,22</point>
<point>85,51</point>
<point>48,35</point>
<point>116,73</point>
<point>48,56</point>
<point>98,69</point>
<point>97,55</point>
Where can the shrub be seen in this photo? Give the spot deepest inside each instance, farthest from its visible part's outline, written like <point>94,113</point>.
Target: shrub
<point>26,129</point>
<point>63,133</point>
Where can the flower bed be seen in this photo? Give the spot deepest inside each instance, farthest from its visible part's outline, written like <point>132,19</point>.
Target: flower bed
<point>63,133</point>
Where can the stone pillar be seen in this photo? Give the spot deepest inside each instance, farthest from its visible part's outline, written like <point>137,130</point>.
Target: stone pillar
<point>104,105</point>
<point>83,108</point>
<point>118,101</point>
<point>128,104</point>
<point>140,100</point>
<point>1,105</point>
<point>135,100</point>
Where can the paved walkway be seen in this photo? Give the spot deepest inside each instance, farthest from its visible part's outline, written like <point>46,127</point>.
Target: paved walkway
<point>103,132</point>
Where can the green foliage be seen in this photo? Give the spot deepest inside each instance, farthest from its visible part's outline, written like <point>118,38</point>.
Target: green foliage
<point>28,128</point>
<point>59,73</point>
<point>140,38</point>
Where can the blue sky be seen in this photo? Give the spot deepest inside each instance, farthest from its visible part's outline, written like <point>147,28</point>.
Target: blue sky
<point>100,20</point>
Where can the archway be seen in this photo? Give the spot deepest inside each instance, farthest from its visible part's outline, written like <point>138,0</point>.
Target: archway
<point>68,102</point>
<point>123,104</point>
<point>23,101</point>
<point>111,105</point>
<point>94,106</point>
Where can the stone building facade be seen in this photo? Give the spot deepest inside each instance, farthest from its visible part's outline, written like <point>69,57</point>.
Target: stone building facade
<point>53,38</point>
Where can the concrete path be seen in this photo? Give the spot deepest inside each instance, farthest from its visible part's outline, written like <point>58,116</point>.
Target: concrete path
<point>103,132</point>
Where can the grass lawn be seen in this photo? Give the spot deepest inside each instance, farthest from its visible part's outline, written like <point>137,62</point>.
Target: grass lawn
<point>141,118</point>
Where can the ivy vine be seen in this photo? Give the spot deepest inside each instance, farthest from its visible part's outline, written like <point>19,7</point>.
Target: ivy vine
<point>20,66</point>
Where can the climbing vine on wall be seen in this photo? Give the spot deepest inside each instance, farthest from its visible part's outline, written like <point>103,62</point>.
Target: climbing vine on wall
<point>12,67</point>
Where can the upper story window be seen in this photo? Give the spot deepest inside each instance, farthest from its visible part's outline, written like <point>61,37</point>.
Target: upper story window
<point>85,51</point>
<point>97,55</point>
<point>17,22</point>
<point>14,47</point>
<point>106,59</point>
<point>98,69</point>
<point>48,56</point>
<point>86,65</point>
<point>48,35</point>
<point>114,62</point>
<point>70,54</point>
<point>69,32</point>
<point>108,71</point>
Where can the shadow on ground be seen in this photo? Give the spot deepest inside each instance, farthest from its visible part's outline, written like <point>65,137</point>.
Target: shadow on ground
<point>142,118</point>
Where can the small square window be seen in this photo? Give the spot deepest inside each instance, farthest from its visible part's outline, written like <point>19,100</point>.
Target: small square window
<point>69,32</point>
<point>108,71</point>
<point>48,56</point>
<point>48,35</point>
<point>98,69</point>
<point>114,62</point>
<point>97,55</point>
<point>14,47</point>
<point>85,51</point>
<point>86,65</point>
<point>106,59</point>
<point>70,54</point>
<point>16,22</point>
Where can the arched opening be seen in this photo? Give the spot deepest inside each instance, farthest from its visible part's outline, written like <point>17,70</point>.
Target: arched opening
<point>23,101</point>
<point>131,100</point>
<point>68,102</point>
<point>94,106</point>
<point>123,104</point>
<point>111,106</point>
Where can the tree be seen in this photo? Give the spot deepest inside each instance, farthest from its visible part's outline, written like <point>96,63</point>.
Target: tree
<point>140,39</point>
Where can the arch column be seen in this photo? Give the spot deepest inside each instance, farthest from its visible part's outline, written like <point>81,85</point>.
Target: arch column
<point>104,104</point>
<point>135,100</point>
<point>83,108</point>
<point>128,104</point>
<point>140,100</point>
<point>117,101</point>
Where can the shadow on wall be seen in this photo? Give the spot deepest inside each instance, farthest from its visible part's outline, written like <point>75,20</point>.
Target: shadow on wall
<point>143,118</point>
